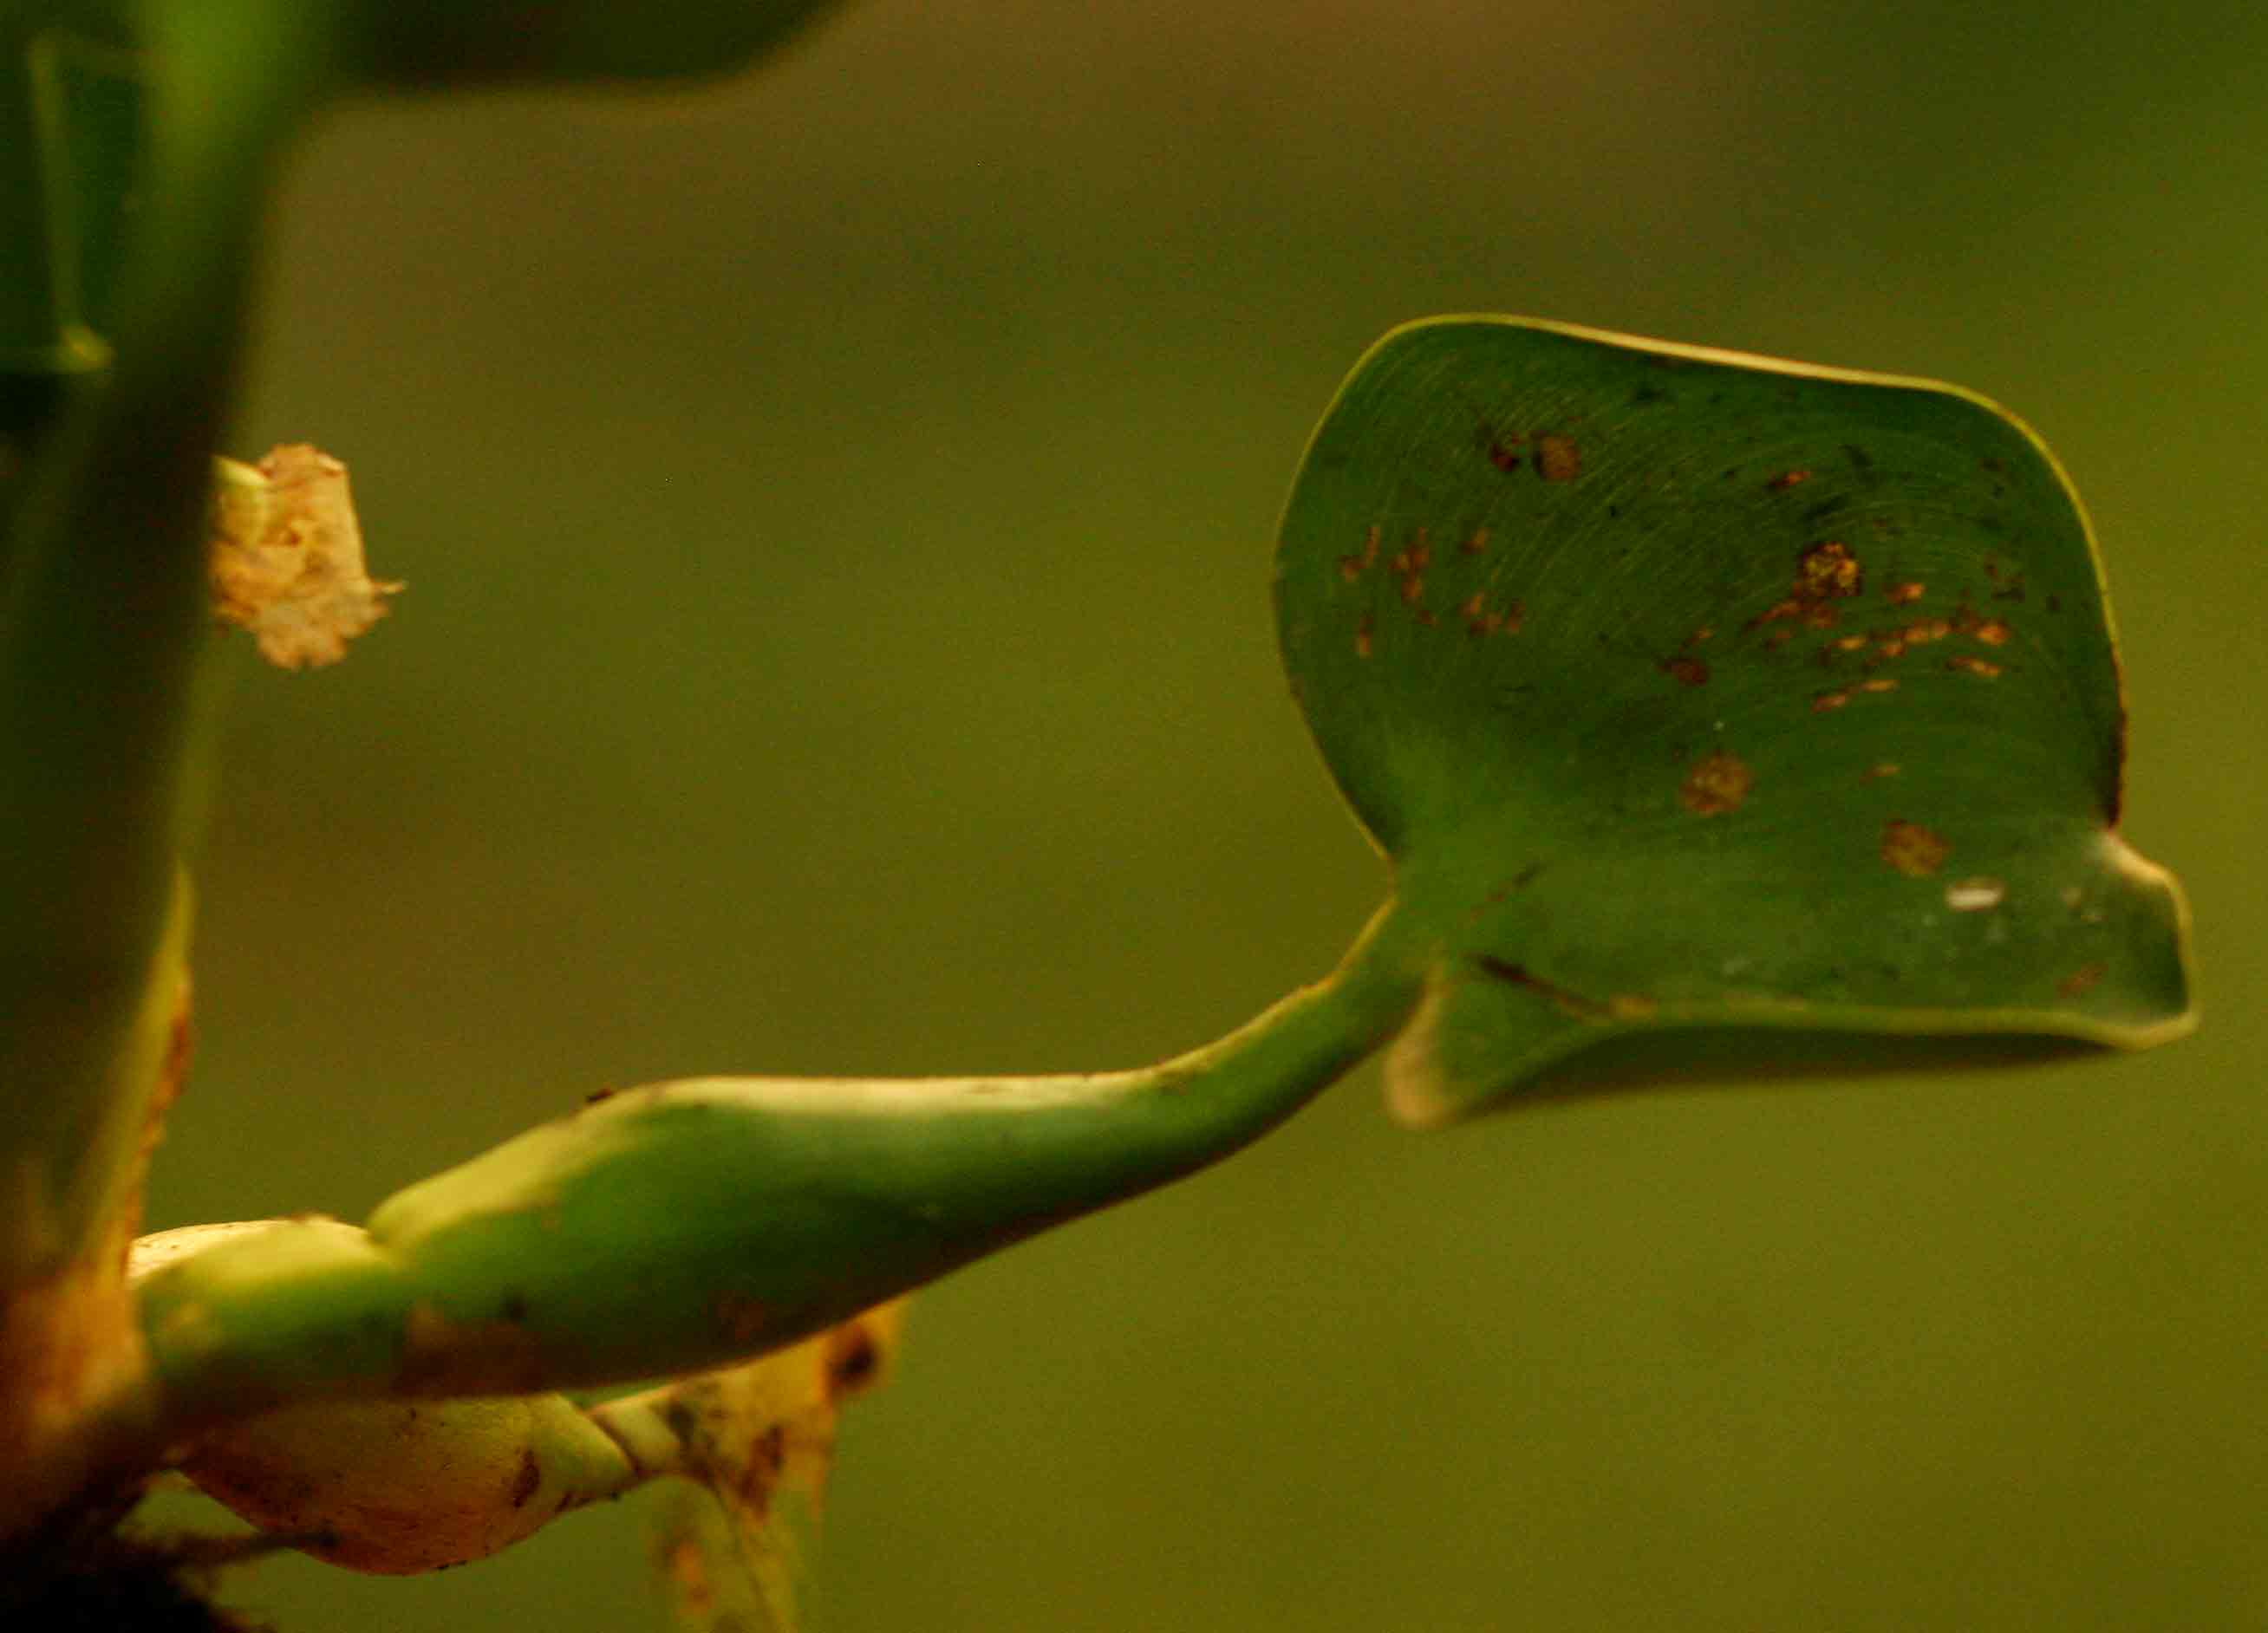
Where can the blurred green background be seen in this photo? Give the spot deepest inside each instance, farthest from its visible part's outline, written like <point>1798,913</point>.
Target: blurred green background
<point>837,508</point>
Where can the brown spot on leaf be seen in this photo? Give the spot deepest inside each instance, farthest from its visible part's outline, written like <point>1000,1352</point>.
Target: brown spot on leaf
<point>1686,671</point>
<point>1786,480</point>
<point>1826,702</point>
<point>1827,571</point>
<point>1878,683</point>
<point>2081,980</point>
<point>1492,622</point>
<point>1503,453</point>
<point>1412,587</point>
<point>1788,608</point>
<point>1718,782</point>
<point>1899,594</point>
<point>1912,849</point>
<point>1558,459</point>
<point>1967,665</point>
<point>1880,769</point>
<point>1363,643</point>
<point>1992,632</point>
<point>1475,544</point>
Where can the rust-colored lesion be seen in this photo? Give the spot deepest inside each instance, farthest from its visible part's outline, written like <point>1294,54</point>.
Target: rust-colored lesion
<point>1352,567</point>
<point>1558,459</point>
<point>1717,783</point>
<point>1481,620</point>
<point>2081,981</point>
<point>1828,571</point>
<point>1912,849</point>
<point>1408,569</point>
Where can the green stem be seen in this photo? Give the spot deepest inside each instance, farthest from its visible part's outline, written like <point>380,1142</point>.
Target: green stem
<point>40,331</point>
<point>103,623</point>
<point>686,1224</point>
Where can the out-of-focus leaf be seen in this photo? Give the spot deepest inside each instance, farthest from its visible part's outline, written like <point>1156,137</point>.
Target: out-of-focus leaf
<point>1702,699</point>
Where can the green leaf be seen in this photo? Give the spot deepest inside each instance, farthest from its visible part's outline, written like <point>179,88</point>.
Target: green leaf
<point>1701,699</point>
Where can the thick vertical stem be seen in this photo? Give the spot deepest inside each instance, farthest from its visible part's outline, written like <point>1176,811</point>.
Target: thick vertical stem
<point>103,622</point>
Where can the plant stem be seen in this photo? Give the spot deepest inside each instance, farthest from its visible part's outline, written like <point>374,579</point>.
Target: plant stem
<point>686,1224</point>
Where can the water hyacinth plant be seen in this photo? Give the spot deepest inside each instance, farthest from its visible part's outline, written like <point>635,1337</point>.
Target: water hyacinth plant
<point>1708,710</point>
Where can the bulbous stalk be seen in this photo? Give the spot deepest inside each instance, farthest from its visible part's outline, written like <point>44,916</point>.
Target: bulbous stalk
<point>679,1226</point>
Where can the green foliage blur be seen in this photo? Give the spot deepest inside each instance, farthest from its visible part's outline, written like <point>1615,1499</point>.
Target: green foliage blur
<point>837,508</point>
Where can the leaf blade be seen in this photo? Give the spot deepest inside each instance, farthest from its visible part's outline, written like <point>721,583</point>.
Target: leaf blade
<point>1689,689</point>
